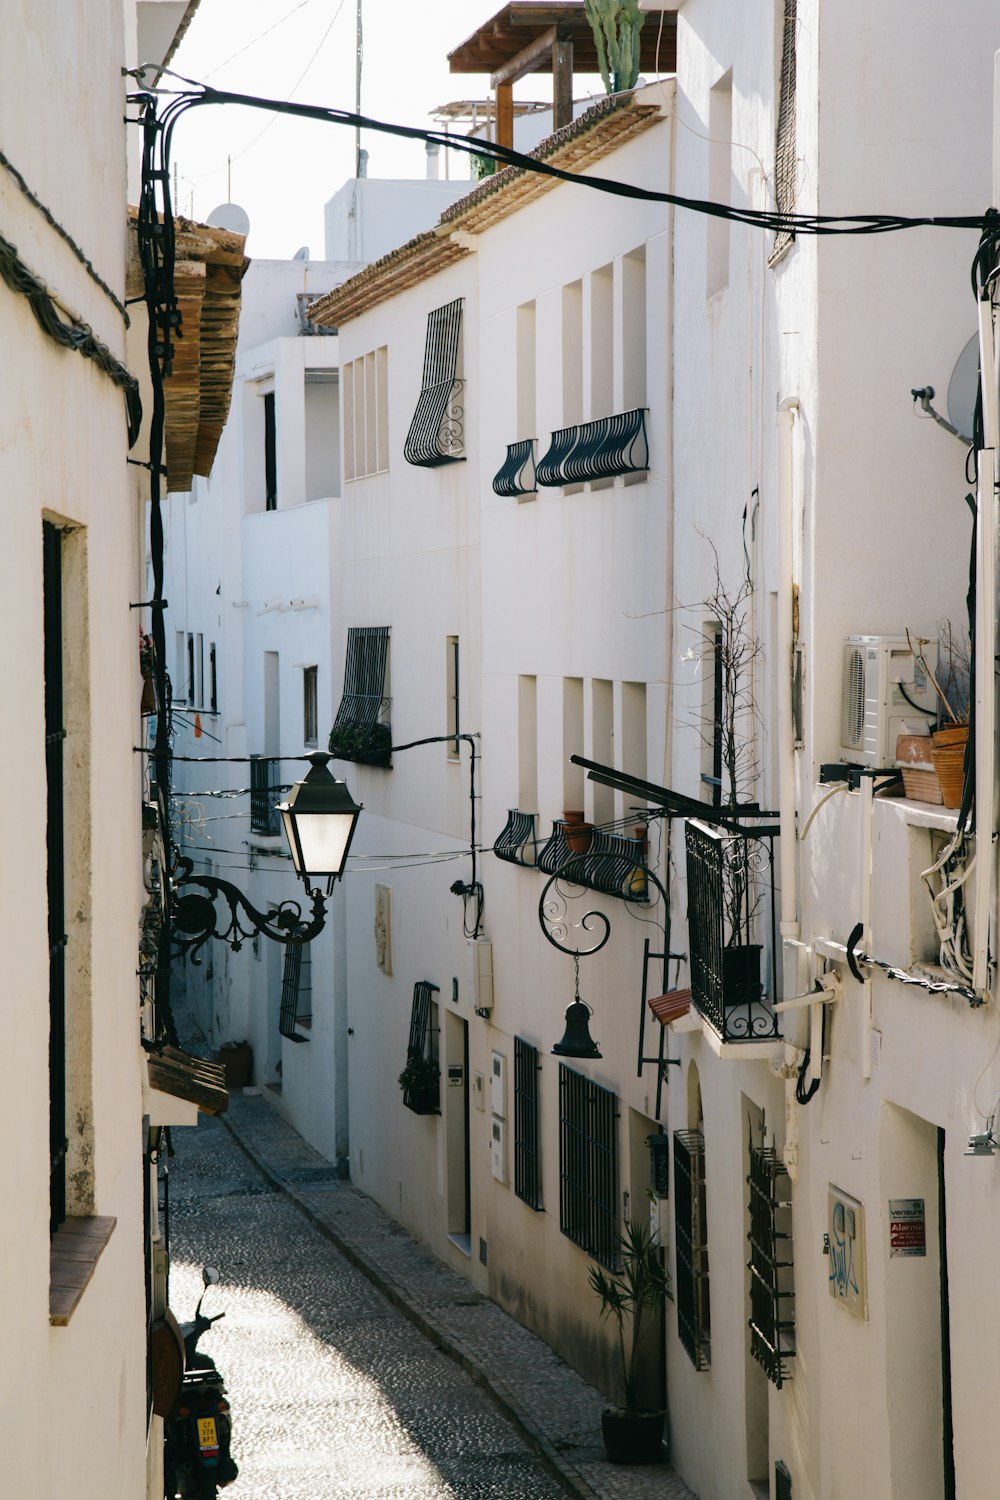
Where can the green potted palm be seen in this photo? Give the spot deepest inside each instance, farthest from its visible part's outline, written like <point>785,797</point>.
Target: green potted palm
<point>632,1433</point>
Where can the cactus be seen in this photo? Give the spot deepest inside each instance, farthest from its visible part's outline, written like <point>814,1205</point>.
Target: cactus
<point>616,25</point>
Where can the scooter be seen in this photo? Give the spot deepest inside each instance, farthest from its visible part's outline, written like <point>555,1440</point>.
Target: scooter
<point>196,1458</point>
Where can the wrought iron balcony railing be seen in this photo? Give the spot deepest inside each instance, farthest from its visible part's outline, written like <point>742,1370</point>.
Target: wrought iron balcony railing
<point>516,840</point>
<point>730,878</point>
<point>596,450</point>
<point>516,475</point>
<point>613,864</point>
<point>265,794</point>
<point>437,432</point>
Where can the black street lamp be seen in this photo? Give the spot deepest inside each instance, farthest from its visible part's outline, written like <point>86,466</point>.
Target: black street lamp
<point>319,820</point>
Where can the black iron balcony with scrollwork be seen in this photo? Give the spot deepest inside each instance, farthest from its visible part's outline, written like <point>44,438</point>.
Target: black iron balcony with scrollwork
<point>728,874</point>
<point>516,475</point>
<point>613,864</point>
<point>516,840</point>
<point>596,450</point>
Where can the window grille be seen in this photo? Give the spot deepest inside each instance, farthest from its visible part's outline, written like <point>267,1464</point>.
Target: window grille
<point>784,147</point>
<point>772,1322</point>
<point>693,1315</point>
<point>296,992</point>
<point>213,679</point>
<point>361,730</point>
<point>424,1096</point>
<point>596,450</point>
<point>782,1482</point>
<point>527,1142</point>
<point>516,840</point>
<point>437,434</point>
<point>55,735</point>
<point>516,475</point>
<point>588,1166</point>
<point>264,796</point>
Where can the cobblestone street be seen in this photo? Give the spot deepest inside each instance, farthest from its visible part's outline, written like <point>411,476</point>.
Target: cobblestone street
<point>333,1345</point>
<point>334,1392</point>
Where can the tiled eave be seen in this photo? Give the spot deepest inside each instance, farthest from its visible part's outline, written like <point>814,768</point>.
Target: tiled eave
<point>209,267</point>
<point>605,127</point>
<point>402,268</point>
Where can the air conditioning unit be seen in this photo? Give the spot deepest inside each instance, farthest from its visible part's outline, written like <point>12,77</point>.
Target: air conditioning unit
<point>878,671</point>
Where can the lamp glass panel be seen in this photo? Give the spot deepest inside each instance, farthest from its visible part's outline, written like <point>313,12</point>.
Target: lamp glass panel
<point>322,839</point>
<point>289,822</point>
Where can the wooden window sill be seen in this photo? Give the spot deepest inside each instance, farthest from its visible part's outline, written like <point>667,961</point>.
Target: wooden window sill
<point>76,1247</point>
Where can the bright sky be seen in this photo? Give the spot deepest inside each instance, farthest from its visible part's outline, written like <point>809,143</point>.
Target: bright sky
<point>283,171</point>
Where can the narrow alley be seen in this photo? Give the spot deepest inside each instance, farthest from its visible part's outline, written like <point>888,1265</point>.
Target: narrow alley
<point>335,1391</point>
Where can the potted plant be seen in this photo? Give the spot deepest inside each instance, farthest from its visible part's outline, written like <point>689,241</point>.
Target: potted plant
<point>632,1434</point>
<point>365,744</point>
<point>420,1081</point>
<point>577,834</point>
<point>952,683</point>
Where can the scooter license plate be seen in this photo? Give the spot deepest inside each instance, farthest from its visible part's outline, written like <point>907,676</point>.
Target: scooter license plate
<point>208,1436</point>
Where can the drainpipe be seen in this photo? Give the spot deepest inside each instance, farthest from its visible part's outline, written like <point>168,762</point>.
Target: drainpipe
<point>787,416</point>
<point>986,626</point>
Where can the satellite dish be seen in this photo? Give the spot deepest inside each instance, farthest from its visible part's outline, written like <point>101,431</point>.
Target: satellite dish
<point>302,253</point>
<point>230,216</point>
<point>963,389</point>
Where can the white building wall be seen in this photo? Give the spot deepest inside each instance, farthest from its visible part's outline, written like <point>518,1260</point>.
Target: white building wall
<point>63,447</point>
<point>880,542</point>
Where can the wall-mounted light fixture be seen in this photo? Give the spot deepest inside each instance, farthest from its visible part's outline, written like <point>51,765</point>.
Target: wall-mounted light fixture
<point>987,1143</point>
<point>319,819</point>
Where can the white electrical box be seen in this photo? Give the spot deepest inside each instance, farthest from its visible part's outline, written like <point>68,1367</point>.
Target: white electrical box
<point>883,688</point>
<point>498,1149</point>
<point>481,975</point>
<point>498,1085</point>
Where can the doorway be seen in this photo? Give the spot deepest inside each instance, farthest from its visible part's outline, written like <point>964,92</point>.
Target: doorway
<point>456,1104</point>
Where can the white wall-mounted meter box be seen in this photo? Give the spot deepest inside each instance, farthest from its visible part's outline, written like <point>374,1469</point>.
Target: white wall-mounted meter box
<point>498,1085</point>
<point>884,687</point>
<point>498,1149</point>
<point>481,975</point>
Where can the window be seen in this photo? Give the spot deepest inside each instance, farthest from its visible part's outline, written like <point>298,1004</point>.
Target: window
<point>527,743</point>
<point>366,414</point>
<point>784,146</point>
<point>453,703</point>
<point>588,1165</point>
<point>772,1324</point>
<point>720,181</point>
<point>189,678</point>
<point>213,680</point>
<point>633,343</point>
<point>55,735</point>
<point>361,730</point>
<point>198,691</point>
<point>296,992</point>
<point>711,736</point>
<point>691,1291</point>
<point>270,454</point>
<point>527,1136</point>
<point>310,718</point>
<point>180,684</point>
<point>437,433</point>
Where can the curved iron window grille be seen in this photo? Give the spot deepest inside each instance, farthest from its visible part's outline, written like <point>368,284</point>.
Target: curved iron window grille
<point>726,872</point>
<point>265,794</point>
<point>296,992</point>
<point>361,731</point>
<point>772,1296</point>
<point>527,1125</point>
<point>516,475</point>
<point>437,433</point>
<point>596,450</point>
<point>516,840</point>
<point>423,1094</point>
<point>614,864</point>
<point>588,1166</point>
<point>694,1326</point>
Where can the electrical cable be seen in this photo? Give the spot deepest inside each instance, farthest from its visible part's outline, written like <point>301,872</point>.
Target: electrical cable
<point>792,223</point>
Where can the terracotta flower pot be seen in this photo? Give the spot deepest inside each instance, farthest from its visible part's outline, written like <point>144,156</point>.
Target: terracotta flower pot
<point>576,833</point>
<point>948,749</point>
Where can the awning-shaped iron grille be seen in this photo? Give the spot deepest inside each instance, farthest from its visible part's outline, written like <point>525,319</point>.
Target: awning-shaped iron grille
<point>296,992</point>
<point>772,1294</point>
<point>516,475</point>
<point>613,864</point>
<point>361,730</point>
<point>691,1239</point>
<point>596,450</point>
<point>422,1088</point>
<point>516,840</point>
<point>437,432</point>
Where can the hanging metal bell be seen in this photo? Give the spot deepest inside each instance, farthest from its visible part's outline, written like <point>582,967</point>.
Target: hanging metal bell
<point>577,1041</point>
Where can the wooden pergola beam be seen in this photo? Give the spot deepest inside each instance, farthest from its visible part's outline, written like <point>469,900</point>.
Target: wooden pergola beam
<point>525,61</point>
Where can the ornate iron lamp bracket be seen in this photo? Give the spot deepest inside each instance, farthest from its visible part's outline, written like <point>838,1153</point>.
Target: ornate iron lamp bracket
<point>195,916</point>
